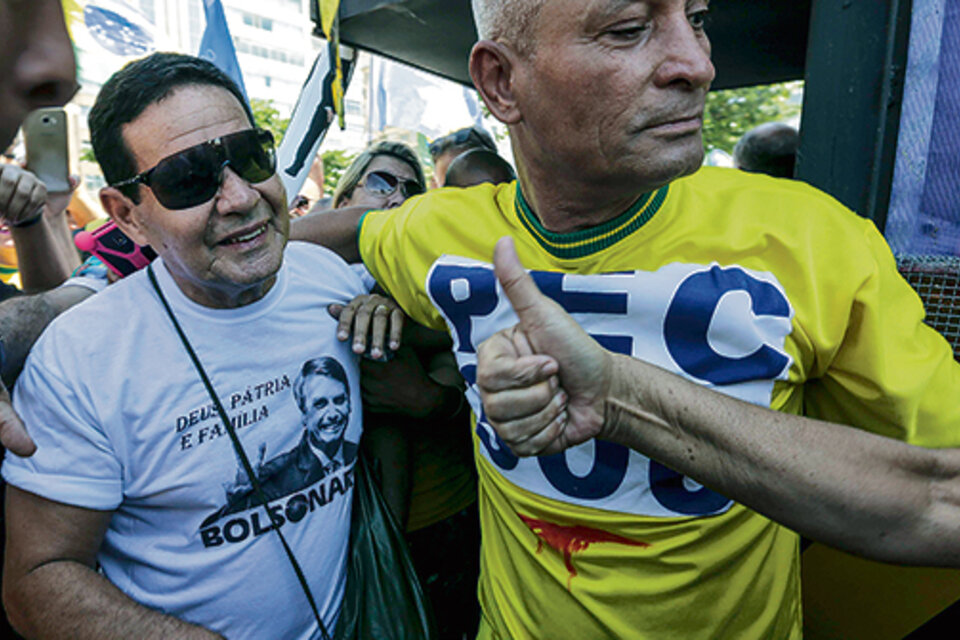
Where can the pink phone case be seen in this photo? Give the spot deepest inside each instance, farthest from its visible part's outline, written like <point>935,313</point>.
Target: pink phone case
<point>121,254</point>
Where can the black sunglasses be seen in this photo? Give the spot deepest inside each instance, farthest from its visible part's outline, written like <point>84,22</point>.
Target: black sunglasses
<point>192,176</point>
<point>382,184</point>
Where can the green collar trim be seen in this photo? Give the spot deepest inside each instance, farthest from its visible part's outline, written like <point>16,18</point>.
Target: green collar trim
<point>579,244</point>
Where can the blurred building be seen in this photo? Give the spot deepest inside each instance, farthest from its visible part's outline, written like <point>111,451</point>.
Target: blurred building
<point>275,49</point>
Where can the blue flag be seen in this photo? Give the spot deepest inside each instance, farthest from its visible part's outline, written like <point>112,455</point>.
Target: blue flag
<point>217,45</point>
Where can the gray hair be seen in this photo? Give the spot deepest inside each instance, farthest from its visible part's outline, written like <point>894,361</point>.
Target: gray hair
<point>508,21</point>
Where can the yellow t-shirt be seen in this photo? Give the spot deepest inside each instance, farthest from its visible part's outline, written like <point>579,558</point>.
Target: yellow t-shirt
<point>766,290</point>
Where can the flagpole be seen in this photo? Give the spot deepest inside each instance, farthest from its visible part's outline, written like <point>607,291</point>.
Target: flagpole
<point>370,101</point>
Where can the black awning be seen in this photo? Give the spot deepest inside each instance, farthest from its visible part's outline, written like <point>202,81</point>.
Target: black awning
<point>754,41</point>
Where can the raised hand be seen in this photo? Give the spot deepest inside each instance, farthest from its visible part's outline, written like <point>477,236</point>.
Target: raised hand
<point>22,196</point>
<point>543,383</point>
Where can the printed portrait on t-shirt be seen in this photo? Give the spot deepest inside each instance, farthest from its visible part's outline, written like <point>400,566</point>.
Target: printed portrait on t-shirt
<point>322,393</point>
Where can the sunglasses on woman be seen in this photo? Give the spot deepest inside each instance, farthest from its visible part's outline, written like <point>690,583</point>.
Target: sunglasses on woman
<point>382,184</point>
<point>191,177</point>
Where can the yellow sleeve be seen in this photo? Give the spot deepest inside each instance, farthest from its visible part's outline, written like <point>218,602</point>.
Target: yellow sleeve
<point>394,249</point>
<point>892,374</point>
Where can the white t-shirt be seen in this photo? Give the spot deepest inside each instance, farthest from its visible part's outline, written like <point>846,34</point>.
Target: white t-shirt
<point>122,423</point>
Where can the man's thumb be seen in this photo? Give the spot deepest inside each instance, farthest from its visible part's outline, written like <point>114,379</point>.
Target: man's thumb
<point>520,288</point>
<point>13,435</point>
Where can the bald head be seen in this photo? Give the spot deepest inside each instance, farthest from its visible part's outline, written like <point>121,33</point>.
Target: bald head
<point>508,21</point>
<point>476,167</point>
<point>769,148</point>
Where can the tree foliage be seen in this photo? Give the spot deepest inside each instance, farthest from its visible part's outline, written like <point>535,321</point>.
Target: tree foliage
<point>266,116</point>
<point>335,162</point>
<point>731,113</point>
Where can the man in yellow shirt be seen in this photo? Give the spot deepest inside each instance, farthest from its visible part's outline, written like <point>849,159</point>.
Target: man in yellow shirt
<point>765,290</point>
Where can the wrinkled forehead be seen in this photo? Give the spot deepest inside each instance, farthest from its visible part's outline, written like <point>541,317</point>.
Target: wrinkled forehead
<point>185,117</point>
<point>566,15</point>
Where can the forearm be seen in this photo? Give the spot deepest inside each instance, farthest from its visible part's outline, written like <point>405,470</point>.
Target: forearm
<point>851,489</point>
<point>60,228</point>
<point>336,230</point>
<point>41,259</point>
<point>66,599</point>
<point>23,319</point>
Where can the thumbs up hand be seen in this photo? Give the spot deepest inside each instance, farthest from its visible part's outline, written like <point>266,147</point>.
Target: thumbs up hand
<point>543,382</point>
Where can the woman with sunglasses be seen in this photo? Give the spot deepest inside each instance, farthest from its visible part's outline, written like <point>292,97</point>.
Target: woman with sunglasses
<point>381,177</point>
<point>427,474</point>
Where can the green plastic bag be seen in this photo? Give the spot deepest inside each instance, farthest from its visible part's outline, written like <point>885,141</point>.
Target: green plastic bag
<point>383,598</point>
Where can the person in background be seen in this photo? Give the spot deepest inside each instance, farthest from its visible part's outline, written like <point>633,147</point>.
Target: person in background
<point>37,69</point>
<point>443,150</point>
<point>37,222</point>
<point>380,177</point>
<point>300,206</point>
<point>417,423</point>
<point>769,148</point>
<point>37,65</point>
<point>478,166</point>
<point>311,197</point>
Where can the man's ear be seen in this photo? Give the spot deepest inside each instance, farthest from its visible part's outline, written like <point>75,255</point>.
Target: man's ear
<point>492,68</point>
<point>123,211</point>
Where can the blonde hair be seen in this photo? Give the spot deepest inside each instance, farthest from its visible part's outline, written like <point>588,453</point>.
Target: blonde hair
<point>351,177</point>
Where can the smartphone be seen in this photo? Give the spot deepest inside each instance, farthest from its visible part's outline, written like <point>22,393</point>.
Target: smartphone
<point>45,138</point>
<point>105,240</point>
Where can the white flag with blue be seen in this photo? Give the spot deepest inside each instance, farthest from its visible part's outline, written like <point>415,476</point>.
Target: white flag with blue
<point>217,45</point>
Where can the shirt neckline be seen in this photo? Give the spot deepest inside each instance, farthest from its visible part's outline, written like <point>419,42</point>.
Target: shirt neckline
<point>181,303</point>
<point>586,242</point>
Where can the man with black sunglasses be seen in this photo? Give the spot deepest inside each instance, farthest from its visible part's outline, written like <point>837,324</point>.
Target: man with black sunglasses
<point>705,282</point>
<point>109,520</point>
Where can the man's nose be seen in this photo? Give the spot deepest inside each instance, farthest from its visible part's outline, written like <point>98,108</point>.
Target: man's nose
<point>235,194</point>
<point>45,72</point>
<point>686,55</point>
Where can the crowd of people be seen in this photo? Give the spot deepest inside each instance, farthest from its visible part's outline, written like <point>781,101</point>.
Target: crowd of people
<point>601,393</point>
